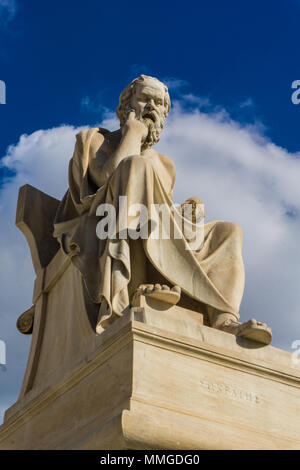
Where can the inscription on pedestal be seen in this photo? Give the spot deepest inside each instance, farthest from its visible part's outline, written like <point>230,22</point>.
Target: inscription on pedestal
<point>230,391</point>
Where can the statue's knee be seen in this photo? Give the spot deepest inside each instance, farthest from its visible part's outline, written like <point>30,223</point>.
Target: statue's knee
<point>229,229</point>
<point>139,160</point>
<point>135,166</point>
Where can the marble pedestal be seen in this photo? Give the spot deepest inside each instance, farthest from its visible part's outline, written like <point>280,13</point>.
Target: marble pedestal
<point>155,380</point>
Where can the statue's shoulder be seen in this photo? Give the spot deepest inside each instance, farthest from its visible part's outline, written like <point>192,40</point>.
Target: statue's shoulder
<point>166,160</point>
<point>91,139</point>
<point>169,167</point>
<point>95,133</point>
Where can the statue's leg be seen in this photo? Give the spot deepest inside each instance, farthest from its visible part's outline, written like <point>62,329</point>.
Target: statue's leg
<point>251,329</point>
<point>138,264</point>
<point>221,259</point>
<point>136,178</point>
<point>146,280</point>
<point>226,270</point>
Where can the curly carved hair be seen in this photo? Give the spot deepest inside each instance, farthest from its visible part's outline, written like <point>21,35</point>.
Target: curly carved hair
<point>122,109</point>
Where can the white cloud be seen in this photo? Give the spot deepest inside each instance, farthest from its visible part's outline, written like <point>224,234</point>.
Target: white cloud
<point>248,103</point>
<point>239,174</point>
<point>199,101</point>
<point>8,9</point>
<point>174,83</point>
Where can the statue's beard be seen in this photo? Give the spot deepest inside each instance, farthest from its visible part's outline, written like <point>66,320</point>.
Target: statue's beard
<point>155,126</point>
<point>154,131</point>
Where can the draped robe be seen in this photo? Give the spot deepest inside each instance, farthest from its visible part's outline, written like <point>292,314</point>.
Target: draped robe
<point>212,275</point>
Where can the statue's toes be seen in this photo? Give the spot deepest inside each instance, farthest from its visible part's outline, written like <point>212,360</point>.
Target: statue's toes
<point>143,287</point>
<point>159,292</point>
<point>256,331</point>
<point>254,322</point>
<point>176,289</point>
<point>150,288</point>
<point>164,294</point>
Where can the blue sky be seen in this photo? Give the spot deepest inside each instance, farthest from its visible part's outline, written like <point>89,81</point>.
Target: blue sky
<point>53,54</point>
<point>233,131</point>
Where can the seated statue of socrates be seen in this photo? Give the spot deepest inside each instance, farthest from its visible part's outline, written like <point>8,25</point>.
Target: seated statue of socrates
<point>108,168</point>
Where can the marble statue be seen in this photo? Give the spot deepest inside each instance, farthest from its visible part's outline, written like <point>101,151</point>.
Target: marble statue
<point>107,165</point>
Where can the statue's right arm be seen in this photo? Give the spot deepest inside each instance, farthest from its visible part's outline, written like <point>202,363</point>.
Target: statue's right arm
<point>133,134</point>
<point>89,162</point>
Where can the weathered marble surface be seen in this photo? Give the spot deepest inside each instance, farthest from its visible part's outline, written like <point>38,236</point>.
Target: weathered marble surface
<point>150,381</point>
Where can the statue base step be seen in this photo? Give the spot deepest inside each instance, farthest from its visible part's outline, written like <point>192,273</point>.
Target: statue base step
<point>151,381</point>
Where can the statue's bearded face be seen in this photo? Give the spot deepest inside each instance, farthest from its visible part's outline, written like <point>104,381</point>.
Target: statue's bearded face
<point>148,102</point>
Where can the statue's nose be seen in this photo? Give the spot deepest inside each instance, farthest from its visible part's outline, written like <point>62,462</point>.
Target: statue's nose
<point>150,105</point>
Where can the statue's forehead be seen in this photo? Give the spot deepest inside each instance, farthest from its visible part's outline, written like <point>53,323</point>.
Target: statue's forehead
<point>150,88</point>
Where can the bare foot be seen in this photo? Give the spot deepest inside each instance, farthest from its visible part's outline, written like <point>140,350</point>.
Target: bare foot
<point>251,329</point>
<point>159,292</point>
<point>256,331</point>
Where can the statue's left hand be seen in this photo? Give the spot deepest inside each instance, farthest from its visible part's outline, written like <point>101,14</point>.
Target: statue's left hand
<point>193,208</point>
